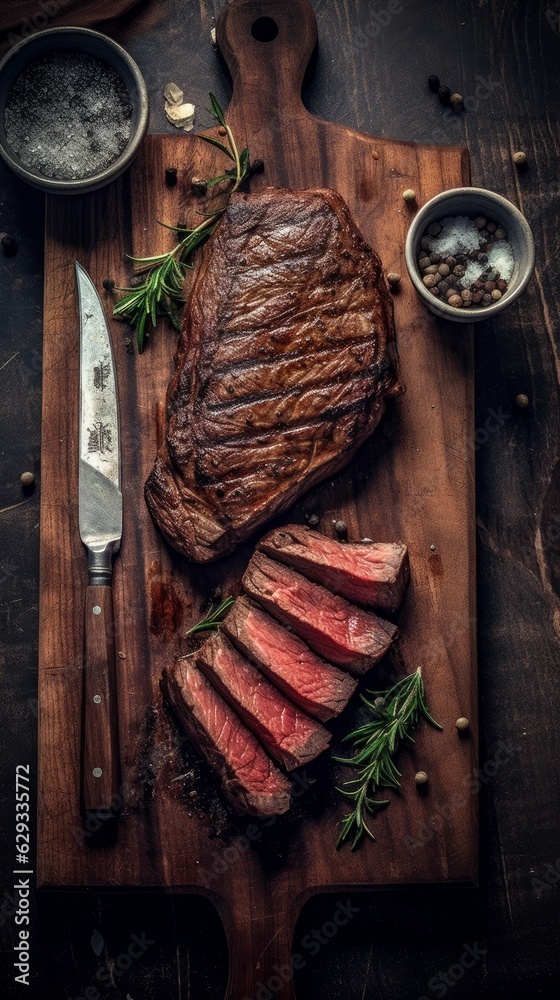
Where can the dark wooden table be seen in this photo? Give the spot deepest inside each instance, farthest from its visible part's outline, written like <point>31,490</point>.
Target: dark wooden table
<point>502,939</point>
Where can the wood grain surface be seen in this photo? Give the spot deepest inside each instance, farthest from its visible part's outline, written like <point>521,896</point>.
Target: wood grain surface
<point>413,480</point>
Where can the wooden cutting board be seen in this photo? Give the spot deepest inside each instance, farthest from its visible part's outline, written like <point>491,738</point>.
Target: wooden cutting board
<point>413,480</point>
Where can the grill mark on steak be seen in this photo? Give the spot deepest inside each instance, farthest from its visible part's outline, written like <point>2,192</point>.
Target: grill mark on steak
<point>286,392</point>
<point>283,342</point>
<point>286,410</point>
<point>221,457</point>
<point>240,476</point>
<point>315,685</point>
<point>291,736</point>
<point>337,630</point>
<point>370,573</point>
<point>227,386</point>
<point>309,291</point>
<point>249,779</point>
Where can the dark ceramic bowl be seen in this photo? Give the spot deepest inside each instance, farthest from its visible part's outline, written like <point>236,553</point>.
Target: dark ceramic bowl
<point>94,44</point>
<point>472,202</point>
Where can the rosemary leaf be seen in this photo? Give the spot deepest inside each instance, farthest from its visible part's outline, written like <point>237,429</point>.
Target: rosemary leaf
<point>375,743</point>
<point>218,145</point>
<point>216,180</point>
<point>213,618</point>
<point>216,110</point>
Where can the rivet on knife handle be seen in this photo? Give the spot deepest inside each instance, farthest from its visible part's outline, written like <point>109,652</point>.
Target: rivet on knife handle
<point>100,522</point>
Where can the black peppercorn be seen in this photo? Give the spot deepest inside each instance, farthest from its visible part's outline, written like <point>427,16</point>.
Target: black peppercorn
<point>341,528</point>
<point>444,95</point>
<point>108,284</point>
<point>257,167</point>
<point>9,245</point>
<point>171,176</point>
<point>433,83</point>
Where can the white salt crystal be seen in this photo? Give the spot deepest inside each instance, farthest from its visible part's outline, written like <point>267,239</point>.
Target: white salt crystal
<point>472,273</point>
<point>500,258</point>
<point>458,235</point>
<point>173,94</point>
<point>182,115</point>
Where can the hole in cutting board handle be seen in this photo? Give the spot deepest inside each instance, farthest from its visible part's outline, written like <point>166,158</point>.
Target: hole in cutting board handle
<point>264,29</point>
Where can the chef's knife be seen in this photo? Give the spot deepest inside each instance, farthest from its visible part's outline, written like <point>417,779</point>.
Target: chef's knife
<point>100,522</point>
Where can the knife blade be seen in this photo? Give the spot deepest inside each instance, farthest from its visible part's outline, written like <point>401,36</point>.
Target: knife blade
<point>100,524</point>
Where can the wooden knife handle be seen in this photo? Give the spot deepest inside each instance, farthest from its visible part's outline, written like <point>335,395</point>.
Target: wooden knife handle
<point>267,45</point>
<point>100,742</point>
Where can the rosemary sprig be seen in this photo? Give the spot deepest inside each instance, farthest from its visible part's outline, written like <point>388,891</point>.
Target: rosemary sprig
<point>213,618</point>
<point>161,290</point>
<point>396,712</point>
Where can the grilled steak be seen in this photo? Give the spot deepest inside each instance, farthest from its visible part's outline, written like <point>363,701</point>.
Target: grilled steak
<point>335,629</point>
<point>290,736</point>
<point>285,360</point>
<point>249,779</point>
<point>374,574</point>
<point>317,686</point>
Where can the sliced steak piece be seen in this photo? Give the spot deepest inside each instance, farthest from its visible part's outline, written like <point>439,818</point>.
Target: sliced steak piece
<point>334,628</point>
<point>370,573</point>
<point>290,736</point>
<point>249,779</point>
<point>285,360</point>
<point>317,686</point>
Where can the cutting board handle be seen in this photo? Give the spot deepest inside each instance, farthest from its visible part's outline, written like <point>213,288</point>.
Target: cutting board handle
<point>259,927</point>
<point>267,45</point>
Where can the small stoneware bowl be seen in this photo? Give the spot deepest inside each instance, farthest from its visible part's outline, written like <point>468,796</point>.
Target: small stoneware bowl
<point>472,202</point>
<point>91,43</point>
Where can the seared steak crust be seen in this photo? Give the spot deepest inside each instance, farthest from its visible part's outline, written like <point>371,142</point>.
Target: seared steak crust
<point>286,357</point>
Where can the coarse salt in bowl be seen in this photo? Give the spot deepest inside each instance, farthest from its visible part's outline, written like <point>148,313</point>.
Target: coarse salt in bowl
<point>73,110</point>
<point>455,211</point>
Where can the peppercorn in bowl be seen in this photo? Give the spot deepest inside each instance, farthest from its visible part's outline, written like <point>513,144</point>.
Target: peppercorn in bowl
<point>470,253</point>
<point>73,110</point>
